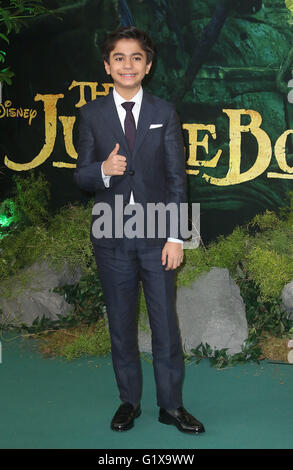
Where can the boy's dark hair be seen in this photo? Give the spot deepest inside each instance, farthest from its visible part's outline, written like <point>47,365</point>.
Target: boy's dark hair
<point>128,32</point>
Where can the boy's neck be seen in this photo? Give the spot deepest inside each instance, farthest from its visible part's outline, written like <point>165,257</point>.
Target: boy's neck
<point>127,94</point>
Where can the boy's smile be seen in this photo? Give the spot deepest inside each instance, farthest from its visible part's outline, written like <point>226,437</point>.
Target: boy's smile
<point>127,66</point>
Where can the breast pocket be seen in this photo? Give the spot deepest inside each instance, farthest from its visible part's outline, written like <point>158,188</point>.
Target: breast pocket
<point>156,127</point>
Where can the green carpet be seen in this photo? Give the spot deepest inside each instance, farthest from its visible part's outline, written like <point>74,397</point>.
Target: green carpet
<point>56,404</point>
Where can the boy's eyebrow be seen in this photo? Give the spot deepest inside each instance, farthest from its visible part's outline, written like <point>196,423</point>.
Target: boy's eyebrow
<point>121,53</point>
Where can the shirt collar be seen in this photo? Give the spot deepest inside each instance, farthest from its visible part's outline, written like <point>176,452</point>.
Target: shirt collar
<point>119,100</point>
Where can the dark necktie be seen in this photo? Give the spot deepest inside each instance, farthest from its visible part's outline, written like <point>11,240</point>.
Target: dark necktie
<point>129,124</point>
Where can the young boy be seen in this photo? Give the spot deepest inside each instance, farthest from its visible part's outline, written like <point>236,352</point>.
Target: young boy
<point>130,145</point>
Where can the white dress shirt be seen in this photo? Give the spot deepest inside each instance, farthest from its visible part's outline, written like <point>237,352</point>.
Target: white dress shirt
<point>137,99</point>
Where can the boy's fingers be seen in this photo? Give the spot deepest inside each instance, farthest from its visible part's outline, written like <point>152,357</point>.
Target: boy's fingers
<point>120,157</point>
<point>115,149</point>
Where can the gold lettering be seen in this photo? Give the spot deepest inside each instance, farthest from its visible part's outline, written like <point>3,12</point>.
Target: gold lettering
<point>50,111</point>
<point>192,172</point>
<point>280,153</point>
<point>93,88</point>
<point>32,115</point>
<point>26,113</point>
<point>107,87</point>
<point>67,123</point>
<point>234,175</point>
<point>194,143</point>
<point>2,110</point>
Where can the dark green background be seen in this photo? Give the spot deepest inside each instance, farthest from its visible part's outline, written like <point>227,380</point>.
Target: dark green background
<point>53,51</point>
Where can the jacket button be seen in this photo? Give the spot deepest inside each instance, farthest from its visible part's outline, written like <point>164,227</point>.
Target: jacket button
<point>131,172</point>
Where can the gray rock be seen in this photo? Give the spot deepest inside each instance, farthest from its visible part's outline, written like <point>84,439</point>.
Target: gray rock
<point>287,299</point>
<point>33,298</point>
<point>211,311</point>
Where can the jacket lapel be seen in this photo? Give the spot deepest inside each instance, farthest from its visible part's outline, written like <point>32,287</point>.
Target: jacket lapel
<point>113,121</point>
<point>144,121</point>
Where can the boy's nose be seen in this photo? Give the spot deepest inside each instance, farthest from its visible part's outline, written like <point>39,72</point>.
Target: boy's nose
<point>127,64</point>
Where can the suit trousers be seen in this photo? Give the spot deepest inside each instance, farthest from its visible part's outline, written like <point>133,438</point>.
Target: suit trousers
<point>120,269</point>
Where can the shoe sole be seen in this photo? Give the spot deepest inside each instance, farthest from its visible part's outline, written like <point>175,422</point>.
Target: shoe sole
<point>127,426</point>
<point>169,420</point>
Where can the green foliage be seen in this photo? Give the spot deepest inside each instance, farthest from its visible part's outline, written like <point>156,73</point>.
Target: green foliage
<point>5,75</point>
<point>289,5</point>
<point>260,258</point>
<point>261,316</point>
<point>262,252</point>
<point>195,263</point>
<point>29,205</point>
<point>87,298</point>
<point>21,249</point>
<point>68,237</point>
<point>73,342</point>
<point>96,344</point>
<point>32,198</point>
<point>264,315</point>
<point>37,235</point>
<point>13,15</point>
<point>221,359</point>
<point>225,252</point>
<point>59,239</point>
<point>270,270</point>
<point>8,217</point>
<point>269,260</point>
<point>228,251</point>
<point>265,221</point>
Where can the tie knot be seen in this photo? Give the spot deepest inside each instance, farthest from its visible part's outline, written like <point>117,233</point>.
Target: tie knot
<point>128,105</point>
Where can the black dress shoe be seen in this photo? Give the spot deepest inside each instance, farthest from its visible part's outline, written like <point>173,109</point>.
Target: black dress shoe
<point>184,421</point>
<point>124,417</point>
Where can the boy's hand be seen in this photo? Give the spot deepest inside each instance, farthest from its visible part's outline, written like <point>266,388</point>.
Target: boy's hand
<point>174,253</point>
<point>115,163</point>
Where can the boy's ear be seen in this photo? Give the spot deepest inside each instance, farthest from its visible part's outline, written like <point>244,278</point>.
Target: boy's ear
<point>107,67</point>
<point>148,67</point>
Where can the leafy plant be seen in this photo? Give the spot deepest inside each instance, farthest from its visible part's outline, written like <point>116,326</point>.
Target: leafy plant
<point>264,315</point>
<point>39,235</point>
<point>31,199</point>
<point>89,344</point>
<point>87,298</point>
<point>73,342</point>
<point>289,5</point>
<point>221,359</point>
<point>8,217</point>
<point>12,17</point>
<point>261,317</point>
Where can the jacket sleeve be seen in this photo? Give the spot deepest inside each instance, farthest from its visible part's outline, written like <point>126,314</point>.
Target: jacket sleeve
<point>175,170</point>
<point>87,174</point>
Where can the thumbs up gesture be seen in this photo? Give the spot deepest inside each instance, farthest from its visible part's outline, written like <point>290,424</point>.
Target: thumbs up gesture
<point>115,163</point>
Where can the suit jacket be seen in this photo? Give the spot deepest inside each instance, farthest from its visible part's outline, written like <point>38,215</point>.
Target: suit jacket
<point>155,170</point>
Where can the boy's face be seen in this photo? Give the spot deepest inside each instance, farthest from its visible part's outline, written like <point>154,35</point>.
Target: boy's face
<point>127,65</point>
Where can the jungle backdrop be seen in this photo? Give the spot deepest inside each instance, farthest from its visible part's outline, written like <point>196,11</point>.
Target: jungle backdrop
<point>226,65</point>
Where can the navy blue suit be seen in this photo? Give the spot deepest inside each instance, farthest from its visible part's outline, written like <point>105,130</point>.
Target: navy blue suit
<point>155,173</point>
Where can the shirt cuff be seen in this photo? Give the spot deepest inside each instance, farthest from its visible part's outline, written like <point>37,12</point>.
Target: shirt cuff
<point>174,240</point>
<point>106,178</point>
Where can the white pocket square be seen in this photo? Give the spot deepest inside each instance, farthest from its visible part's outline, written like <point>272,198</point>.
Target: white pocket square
<point>154,126</point>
